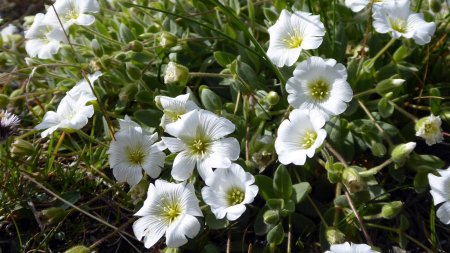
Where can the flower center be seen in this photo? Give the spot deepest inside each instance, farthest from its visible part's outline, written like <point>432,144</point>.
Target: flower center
<point>308,139</point>
<point>235,196</point>
<point>72,14</point>
<point>294,41</point>
<point>135,156</point>
<point>171,211</point>
<point>199,146</point>
<point>429,128</point>
<point>319,90</point>
<point>173,115</point>
<point>397,24</point>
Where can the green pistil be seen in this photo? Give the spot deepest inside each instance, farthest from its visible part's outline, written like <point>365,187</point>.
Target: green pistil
<point>308,139</point>
<point>294,41</point>
<point>235,196</point>
<point>319,90</point>
<point>171,211</point>
<point>136,156</point>
<point>398,25</point>
<point>199,146</point>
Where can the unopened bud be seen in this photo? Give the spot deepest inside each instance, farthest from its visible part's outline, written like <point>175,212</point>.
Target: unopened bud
<point>78,249</point>
<point>136,46</point>
<point>271,217</point>
<point>334,236</point>
<point>176,74</point>
<point>401,152</point>
<point>435,6</point>
<point>352,180</point>
<point>52,215</point>
<point>392,209</point>
<point>168,40</point>
<point>22,148</point>
<point>388,85</point>
<point>273,98</point>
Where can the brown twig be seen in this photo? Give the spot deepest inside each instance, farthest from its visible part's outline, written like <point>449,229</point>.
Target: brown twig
<point>360,221</point>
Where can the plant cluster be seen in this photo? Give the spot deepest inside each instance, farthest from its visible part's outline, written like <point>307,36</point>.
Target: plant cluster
<point>226,126</point>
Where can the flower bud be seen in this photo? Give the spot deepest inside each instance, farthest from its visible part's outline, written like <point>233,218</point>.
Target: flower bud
<point>136,46</point>
<point>271,217</point>
<point>96,48</point>
<point>168,40</point>
<point>388,85</point>
<point>22,148</point>
<point>272,98</point>
<point>352,180</point>
<point>401,152</point>
<point>334,236</point>
<point>435,6</point>
<point>176,74</point>
<point>78,249</point>
<point>390,210</point>
<point>52,215</point>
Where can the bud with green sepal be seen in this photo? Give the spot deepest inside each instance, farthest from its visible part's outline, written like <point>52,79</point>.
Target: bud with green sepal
<point>352,180</point>
<point>176,74</point>
<point>401,153</point>
<point>392,209</point>
<point>334,236</point>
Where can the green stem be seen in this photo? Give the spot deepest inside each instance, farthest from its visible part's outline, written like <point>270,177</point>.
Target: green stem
<point>403,111</point>
<point>364,93</point>
<point>375,169</point>
<point>371,62</point>
<point>317,211</point>
<point>101,36</point>
<point>204,74</point>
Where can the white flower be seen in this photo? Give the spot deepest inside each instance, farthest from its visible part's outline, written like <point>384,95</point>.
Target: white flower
<point>429,128</point>
<point>7,32</point>
<point>43,39</point>
<point>228,190</point>
<point>173,108</point>
<point>72,12</point>
<point>83,86</point>
<point>72,113</point>
<point>299,136</point>
<point>350,248</point>
<point>396,18</point>
<point>200,142</point>
<point>440,190</point>
<point>292,33</point>
<point>169,209</point>
<point>135,149</point>
<point>358,5</point>
<point>319,85</point>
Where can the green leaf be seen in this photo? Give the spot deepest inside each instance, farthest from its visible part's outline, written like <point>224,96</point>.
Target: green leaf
<point>275,204</point>
<point>71,197</point>
<point>210,100</point>
<point>149,117</point>
<point>282,182</point>
<point>144,97</point>
<point>435,101</point>
<point>224,58</point>
<point>385,108</point>
<point>301,190</point>
<point>214,223</point>
<point>421,179</point>
<point>270,14</point>
<point>265,185</point>
<point>276,234</point>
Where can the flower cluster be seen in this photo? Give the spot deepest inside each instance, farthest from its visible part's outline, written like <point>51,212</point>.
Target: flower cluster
<point>45,35</point>
<point>317,90</point>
